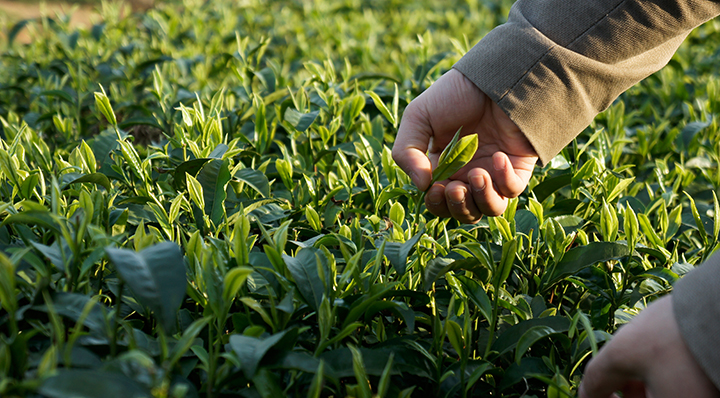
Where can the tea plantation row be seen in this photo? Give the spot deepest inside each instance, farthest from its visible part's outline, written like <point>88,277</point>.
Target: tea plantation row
<point>201,201</point>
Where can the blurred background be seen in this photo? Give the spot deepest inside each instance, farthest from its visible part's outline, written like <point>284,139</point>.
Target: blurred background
<point>82,12</point>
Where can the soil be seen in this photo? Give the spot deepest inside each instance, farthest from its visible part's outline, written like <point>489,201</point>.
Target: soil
<point>81,15</point>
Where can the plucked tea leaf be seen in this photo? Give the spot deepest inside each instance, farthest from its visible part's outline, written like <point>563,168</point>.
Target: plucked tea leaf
<point>455,156</point>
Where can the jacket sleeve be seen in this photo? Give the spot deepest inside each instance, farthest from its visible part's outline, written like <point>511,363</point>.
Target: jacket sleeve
<point>697,311</point>
<point>556,64</point>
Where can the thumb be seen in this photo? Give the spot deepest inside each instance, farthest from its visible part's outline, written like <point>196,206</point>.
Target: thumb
<point>411,144</point>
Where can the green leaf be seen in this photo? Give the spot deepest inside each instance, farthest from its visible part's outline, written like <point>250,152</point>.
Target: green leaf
<point>300,121</point>
<point>94,178</point>
<point>187,340</point>
<point>252,350</point>
<point>360,374</point>
<point>91,384</point>
<point>304,269</point>
<point>71,305</point>
<point>195,190</point>
<point>530,337</point>
<point>455,156</point>
<point>398,253</point>
<point>233,281</point>
<point>551,185</point>
<point>585,256</point>
<point>455,336</point>
<point>102,103</point>
<point>440,266</point>
<point>380,105</point>
<point>506,263</point>
<point>63,95</point>
<point>509,338</point>
<point>317,383</point>
<point>190,167</point>
<point>156,276</point>
<point>267,384</point>
<point>477,294</point>
<point>698,221</point>
<point>255,179</point>
<point>213,178</point>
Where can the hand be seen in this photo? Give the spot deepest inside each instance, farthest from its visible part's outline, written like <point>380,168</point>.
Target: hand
<point>500,169</point>
<point>647,358</point>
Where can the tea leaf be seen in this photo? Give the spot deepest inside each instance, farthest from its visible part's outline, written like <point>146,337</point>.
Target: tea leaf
<point>455,156</point>
<point>156,276</point>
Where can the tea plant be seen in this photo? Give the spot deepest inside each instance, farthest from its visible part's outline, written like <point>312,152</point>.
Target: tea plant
<point>201,201</point>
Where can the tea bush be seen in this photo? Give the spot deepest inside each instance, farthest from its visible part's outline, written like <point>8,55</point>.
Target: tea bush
<point>201,201</point>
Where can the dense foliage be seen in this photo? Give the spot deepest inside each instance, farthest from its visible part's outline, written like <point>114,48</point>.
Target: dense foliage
<point>200,201</point>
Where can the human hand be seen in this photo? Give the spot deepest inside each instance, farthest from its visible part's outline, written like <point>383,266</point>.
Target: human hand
<point>647,358</point>
<point>500,169</point>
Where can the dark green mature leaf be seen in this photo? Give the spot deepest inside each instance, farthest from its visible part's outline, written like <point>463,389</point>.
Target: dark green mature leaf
<point>551,185</point>
<point>512,335</point>
<point>63,95</point>
<point>689,132</point>
<point>530,337</point>
<point>477,294</point>
<point>214,177</point>
<point>91,384</point>
<point>305,269</point>
<point>33,217</point>
<point>301,121</point>
<point>156,276</point>
<point>267,384</point>
<point>400,308</point>
<point>190,167</point>
<point>528,366</point>
<point>139,121</point>
<point>585,256</point>
<point>95,178</point>
<point>54,254</point>
<point>439,266</point>
<point>256,179</point>
<point>398,253</point>
<point>71,305</point>
<point>252,350</point>
<point>406,361</point>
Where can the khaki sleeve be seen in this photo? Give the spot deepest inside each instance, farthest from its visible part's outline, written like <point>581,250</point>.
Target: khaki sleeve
<point>696,304</point>
<point>556,64</point>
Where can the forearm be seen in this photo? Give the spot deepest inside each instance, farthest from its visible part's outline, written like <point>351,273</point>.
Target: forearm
<point>557,63</point>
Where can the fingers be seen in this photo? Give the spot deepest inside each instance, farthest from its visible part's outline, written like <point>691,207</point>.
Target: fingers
<point>602,379</point>
<point>485,193</point>
<point>506,177</point>
<point>411,144</point>
<point>482,195</point>
<point>454,199</point>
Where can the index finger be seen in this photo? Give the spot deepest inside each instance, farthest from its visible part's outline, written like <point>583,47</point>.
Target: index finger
<point>411,144</point>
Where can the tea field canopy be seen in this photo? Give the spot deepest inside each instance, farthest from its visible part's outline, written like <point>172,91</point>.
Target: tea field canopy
<point>200,201</point>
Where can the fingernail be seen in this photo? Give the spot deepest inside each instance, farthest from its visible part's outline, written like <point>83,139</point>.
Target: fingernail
<point>435,198</point>
<point>499,163</point>
<point>478,183</point>
<point>457,196</point>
